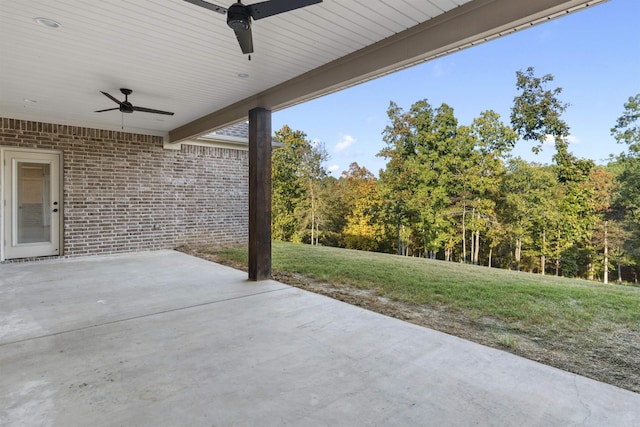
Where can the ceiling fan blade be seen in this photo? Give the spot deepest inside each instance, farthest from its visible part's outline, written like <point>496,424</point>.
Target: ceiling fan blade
<point>207,5</point>
<point>111,98</point>
<point>274,7</point>
<point>246,40</point>
<point>108,109</point>
<point>150,110</point>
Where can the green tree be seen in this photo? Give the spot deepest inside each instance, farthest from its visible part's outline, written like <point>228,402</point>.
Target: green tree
<point>313,173</point>
<point>537,115</point>
<point>288,192</point>
<point>492,141</point>
<point>627,131</point>
<point>441,178</point>
<point>399,178</point>
<point>537,111</point>
<point>627,170</point>
<point>332,211</point>
<point>529,210</point>
<point>600,186</point>
<point>627,128</point>
<point>297,177</point>
<point>440,159</point>
<point>361,196</point>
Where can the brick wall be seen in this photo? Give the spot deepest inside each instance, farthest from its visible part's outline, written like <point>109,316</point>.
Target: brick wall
<point>123,192</point>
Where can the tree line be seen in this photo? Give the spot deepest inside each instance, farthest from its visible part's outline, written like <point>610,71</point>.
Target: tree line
<point>453,192</point>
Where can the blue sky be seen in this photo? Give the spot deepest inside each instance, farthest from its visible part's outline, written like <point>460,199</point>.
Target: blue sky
<point>594,55</point>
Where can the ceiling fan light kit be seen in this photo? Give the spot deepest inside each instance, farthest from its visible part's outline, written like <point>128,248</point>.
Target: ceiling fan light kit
<point>238,18</point>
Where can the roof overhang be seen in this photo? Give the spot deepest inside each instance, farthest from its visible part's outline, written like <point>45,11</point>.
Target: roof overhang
<point>180,57</point>
<point>472,23</point>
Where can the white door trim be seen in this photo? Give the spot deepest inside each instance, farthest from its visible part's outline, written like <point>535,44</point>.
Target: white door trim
<point>7,199</point>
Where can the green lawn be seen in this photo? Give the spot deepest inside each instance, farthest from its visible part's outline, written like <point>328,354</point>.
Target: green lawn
<point>532,304</point>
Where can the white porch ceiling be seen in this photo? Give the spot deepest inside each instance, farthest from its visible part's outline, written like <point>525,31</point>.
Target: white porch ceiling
<point>182,58</point>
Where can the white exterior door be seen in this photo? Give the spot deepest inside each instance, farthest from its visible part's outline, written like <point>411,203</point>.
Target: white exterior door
<point>32,213</point>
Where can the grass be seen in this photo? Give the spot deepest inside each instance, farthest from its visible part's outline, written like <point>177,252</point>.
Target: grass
<point>533,304</point>
<point>506,340</point>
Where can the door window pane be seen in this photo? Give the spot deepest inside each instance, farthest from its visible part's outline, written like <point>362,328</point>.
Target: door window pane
<point>34,199</point>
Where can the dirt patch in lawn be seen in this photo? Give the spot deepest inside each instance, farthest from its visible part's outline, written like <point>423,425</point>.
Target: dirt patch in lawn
<point>610,356</point>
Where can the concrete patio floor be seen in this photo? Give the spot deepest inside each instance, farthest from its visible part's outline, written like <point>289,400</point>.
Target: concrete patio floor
<point>166,339</point>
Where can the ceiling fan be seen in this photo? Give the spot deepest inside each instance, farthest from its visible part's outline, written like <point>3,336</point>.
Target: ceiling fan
<point>126,107</point>
<point>239,16</point>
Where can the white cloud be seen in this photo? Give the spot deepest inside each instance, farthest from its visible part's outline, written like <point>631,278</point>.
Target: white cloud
<point>438,70</point>
<point>334,168</point>
<point>345,142</point>
<point>571,139</point>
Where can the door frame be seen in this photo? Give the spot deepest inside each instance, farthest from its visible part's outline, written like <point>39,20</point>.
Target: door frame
<point>4,205</point>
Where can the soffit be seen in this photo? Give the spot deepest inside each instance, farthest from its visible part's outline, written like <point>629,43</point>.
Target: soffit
<point>182,58</point>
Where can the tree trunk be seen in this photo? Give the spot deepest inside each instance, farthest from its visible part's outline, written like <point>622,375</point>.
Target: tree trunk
<point>543,258</point>
<point>463,259</point>
<point>313,225</point>
<point>558,255</point>
<point>620,273</point>
<point>472,250</point>
<point>518,252</point>
<point>490,253</point>
<point>472,247</point>
<point>511,253</point>
<point>606,254</point>
<point>476,254</point>
<point>313,211</point>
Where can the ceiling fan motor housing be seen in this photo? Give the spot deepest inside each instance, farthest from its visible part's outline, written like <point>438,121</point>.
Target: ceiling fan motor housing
<point>238,17</point>
<point>126,107</point>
